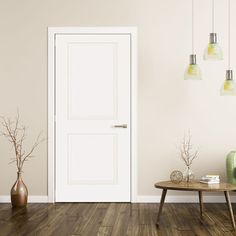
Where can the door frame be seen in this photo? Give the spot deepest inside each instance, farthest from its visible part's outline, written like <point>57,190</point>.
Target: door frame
<point>52,32</point>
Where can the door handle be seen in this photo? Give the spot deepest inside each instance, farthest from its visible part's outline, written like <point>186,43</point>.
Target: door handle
<point>124,126</point>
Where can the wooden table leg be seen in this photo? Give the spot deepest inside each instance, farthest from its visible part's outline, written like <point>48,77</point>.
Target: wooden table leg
<point>227,198</point>
<point>163,195</point>
<point>200,202</point>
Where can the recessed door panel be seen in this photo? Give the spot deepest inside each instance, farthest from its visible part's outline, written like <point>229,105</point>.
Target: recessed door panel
<point>90,67</point>
<point>96,152</point>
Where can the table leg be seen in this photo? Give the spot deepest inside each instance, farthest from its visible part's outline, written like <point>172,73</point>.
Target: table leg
<point>200,202</point>
<point>227,198</point>
<point>163,195</point>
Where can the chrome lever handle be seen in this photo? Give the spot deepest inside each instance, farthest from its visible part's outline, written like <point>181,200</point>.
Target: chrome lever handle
<point>124,126</point>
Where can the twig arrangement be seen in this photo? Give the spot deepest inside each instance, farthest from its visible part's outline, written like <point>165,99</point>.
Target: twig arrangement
<point>15,133</point>
<point>186,150</point>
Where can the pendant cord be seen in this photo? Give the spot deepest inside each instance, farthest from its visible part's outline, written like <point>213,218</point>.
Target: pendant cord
<point>229,34</point>
<point>192,26</point>
<point>213,16</point>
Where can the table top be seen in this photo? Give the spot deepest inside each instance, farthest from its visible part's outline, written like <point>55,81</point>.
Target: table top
<point>195,186</point>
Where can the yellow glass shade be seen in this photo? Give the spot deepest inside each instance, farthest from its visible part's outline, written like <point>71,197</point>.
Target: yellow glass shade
<point>228,88</point>
<point>193,72</point>
<point>213,52</point>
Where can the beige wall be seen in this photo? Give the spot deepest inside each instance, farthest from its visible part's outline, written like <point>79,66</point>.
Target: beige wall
<point>167,105</point>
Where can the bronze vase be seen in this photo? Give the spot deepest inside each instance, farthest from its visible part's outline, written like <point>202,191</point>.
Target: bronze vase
<point>19,192</point>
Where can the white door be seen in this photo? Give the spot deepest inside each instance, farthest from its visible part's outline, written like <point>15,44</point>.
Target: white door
<point>92,153</point>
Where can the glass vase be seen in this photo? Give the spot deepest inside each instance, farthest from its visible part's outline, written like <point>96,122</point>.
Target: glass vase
<point>188,174</point>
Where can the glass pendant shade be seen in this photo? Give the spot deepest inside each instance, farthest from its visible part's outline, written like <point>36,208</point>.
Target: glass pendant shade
<point>193,71</point>
<point>229,85</point>
<point>213,50</point>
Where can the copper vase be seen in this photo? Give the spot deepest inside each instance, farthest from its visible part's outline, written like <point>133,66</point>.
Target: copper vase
<point>19,192</point>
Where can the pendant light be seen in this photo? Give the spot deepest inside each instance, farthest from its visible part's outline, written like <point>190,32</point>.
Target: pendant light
<point>229,86</point>
<point>193,71</point>
<point>213,50</point>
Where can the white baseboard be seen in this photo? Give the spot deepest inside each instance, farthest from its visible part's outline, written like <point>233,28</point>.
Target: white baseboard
<point>185,198</point>
<point>143,199</point>
<point>31,199</point>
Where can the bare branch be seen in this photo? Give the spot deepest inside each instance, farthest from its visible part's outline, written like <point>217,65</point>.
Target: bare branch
<point>12,162</point>
<point>36,143</point>
<point>186,153</point>
<point>16,134</point>
<point>16,124</point>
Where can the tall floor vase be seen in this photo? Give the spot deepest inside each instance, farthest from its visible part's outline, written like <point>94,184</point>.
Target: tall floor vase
<point>231,167</point>
<point>19,192</point>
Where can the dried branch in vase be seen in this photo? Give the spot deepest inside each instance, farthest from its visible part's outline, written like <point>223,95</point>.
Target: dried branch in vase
<point>187,153</point>
<point>15,133</point>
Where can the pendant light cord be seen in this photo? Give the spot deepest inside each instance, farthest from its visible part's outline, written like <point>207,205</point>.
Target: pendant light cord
<point>229,35</point>
<point>192,26</point>
<point>213,16</point>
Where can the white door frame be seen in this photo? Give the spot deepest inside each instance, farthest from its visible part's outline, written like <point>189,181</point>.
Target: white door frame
<point>52,32</point>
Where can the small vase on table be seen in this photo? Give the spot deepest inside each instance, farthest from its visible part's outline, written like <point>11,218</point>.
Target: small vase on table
<point>188,174</point>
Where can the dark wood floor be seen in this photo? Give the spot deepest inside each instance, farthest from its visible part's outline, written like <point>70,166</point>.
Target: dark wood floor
<point>116,219</point>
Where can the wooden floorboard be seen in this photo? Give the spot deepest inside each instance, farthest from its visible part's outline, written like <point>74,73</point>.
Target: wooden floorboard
<point>115,219</point>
